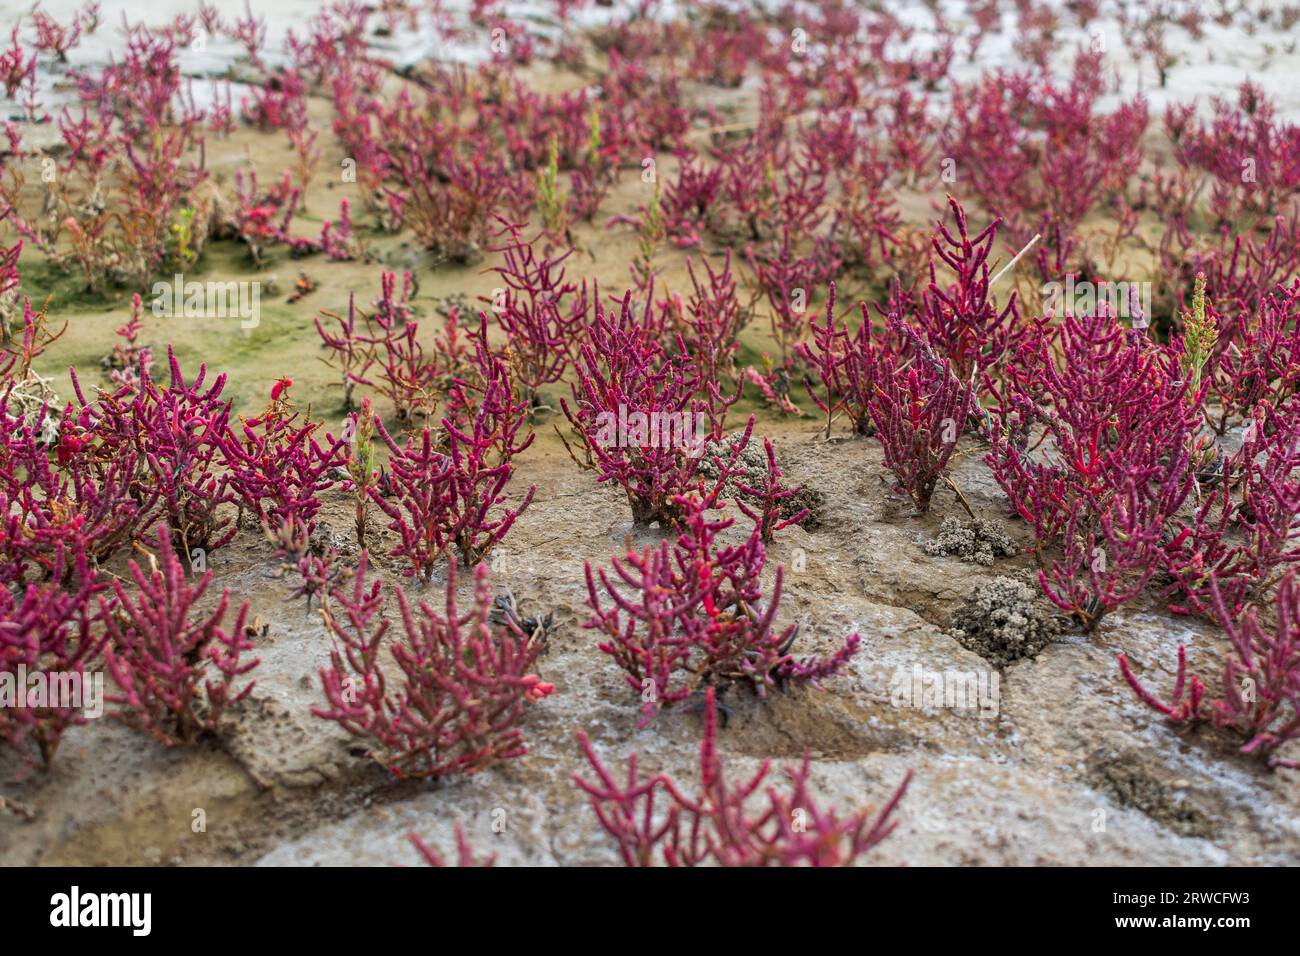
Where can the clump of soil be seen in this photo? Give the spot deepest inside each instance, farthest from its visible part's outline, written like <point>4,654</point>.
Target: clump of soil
<point>459,301</point>
<point>1130,782</point>
<point>751,470</point>
<point>977,543</point>
<point>1004,621</point>
<point>809,498</point>
<point>751,465</point>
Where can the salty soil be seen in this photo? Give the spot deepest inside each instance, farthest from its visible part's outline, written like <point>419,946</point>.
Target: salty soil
<point>1061,764</point>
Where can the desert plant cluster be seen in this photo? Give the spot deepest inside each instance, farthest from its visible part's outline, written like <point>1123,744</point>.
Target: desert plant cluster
<point>1143,443</point>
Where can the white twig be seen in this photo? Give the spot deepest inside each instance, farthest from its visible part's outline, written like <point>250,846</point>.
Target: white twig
<point>1003,270</point>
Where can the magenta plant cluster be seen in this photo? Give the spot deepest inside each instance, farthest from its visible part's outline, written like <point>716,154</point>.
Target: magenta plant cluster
<point>1148,449</point>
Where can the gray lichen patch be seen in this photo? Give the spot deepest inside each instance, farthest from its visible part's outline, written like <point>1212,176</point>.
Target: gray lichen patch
<point>805,498</point>
<point>977,543</point>
<point>750,470</point>
<point>1004,621</point>
<point>1133,782</point>
<point>751,463</point>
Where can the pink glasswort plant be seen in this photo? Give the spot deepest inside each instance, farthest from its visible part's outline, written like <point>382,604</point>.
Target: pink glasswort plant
<point>55,37</point>
<point>1260,357</point>
<point>919,408</point>
<point>465,681</point>
<point>465,856</point>
<point>383,352</point>
<point>896,386</point>
<point>1260,680</point>
<point>456,498</point>
<point>655,820</point>
<point>689,614</point>
<point>1240,538</point>
<point>137,120</point>
<point>842,363</point>
<point>54,634</point>
<point>638,418</point>
<point>541,313</point>
<point>961,321</point>
<point>277,467</point>
<point>58,495</point>
<point>771,505</point>
<point>172,438</point>
<point>129,356</point>
<point>787,281</point>
<point>1093,448</point>
<point>177,670</point>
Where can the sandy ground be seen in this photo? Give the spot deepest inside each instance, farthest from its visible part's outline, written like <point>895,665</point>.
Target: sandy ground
<point>1071,769</point>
